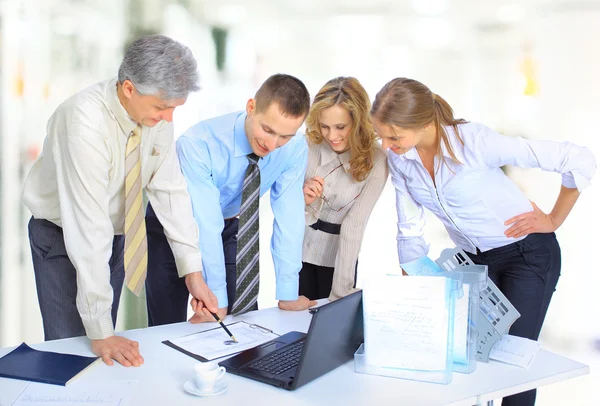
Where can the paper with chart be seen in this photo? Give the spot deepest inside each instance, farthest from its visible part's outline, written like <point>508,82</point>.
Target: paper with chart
<point>515,350</point>
<point>406,322</point>
<point>461,326</point>
<point>112,393</point>
<point>216,343</point>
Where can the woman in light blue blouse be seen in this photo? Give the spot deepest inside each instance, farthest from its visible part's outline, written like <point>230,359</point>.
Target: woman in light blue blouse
<point>453,168</point>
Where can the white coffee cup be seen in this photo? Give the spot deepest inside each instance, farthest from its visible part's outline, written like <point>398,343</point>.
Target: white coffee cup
<point>206,375</point>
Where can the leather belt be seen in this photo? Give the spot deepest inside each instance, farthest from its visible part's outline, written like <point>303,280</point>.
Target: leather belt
<point>330,228</point>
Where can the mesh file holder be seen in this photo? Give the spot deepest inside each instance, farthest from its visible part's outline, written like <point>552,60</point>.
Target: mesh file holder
<point>496,313</point>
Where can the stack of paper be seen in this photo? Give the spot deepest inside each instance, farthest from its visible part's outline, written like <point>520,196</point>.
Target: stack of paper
<point>515,351</point>
<point>461,326</point>
<point>406,323</point>
<point>425,266</point>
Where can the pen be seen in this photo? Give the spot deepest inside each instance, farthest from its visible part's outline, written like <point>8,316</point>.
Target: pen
<point>224,327</point>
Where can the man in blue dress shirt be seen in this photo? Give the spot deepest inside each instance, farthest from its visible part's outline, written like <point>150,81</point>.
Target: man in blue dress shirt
<point>214,158</point>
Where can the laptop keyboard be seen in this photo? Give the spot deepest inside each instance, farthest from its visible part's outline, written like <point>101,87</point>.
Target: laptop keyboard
<point>279,362</point>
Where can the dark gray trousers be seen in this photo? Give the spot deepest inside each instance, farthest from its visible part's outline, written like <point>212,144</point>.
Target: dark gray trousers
<point>56,279</point>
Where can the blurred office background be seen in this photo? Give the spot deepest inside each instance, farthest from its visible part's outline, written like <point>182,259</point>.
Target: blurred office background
<point>525,68</point>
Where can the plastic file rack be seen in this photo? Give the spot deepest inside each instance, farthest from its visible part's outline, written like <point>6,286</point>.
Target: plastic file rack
<point>474,278</point>
<point>496,313</point>
<point>442,376</point>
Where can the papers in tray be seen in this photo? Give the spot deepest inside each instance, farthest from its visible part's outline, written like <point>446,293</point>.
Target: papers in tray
<point>215,343</point>
<point>407,322</point>
<point>515,351</point>
<point>461,326</point>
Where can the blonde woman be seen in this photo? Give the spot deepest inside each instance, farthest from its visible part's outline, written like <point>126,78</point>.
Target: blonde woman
<point>346,173</point>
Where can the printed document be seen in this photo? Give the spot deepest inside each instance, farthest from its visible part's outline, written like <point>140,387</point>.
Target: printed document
<point>407,322</point>
<point>515,351</point>
<point>115,393</point>
<point>215,343</point>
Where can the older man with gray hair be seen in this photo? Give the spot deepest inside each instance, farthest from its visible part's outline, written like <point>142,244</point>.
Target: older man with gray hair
<point>87,234</point>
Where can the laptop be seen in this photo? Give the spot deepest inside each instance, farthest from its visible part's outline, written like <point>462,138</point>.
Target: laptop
<point>295,358</point>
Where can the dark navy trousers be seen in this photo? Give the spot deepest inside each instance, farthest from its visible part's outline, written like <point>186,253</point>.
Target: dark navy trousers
<point>166,293</point>
<point>526,272</point>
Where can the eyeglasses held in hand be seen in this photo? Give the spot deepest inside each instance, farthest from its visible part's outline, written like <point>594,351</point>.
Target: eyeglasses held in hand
<point>326,200</point>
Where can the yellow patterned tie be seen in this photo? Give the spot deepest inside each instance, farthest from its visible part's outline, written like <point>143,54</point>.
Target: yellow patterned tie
<point>136,247</point>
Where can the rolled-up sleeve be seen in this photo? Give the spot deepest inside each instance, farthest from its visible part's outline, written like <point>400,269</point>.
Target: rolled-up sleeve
<point>168,194</point>
<point>575,163</point>
<point>411,219</point>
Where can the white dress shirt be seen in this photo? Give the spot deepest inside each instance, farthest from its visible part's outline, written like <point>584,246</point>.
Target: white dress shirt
<point>78,183</point>
<point>474,198</point>
<point>340,251</point>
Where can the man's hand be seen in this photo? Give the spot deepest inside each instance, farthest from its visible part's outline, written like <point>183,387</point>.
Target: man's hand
<point>535,221</point>
<point>313,188</point>
<point>203,299</point>
<point>302,303</point>
<point>202,318</point>
<point>125,352</point>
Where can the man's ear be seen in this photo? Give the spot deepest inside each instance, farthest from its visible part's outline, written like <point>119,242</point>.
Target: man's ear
<point>250,106</point>
<point>128,88</point>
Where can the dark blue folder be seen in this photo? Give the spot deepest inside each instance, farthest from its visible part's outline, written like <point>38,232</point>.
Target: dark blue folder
<point>41,366</point>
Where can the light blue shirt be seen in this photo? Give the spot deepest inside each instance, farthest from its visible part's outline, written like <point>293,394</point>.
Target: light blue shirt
<point>213,157</point>
<point>474,198</point>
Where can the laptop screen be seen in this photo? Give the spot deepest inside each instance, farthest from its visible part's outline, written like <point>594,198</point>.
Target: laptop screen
<point>335,333</point>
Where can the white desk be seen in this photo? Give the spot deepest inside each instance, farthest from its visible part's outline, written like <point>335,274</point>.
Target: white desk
<point>165,370</point>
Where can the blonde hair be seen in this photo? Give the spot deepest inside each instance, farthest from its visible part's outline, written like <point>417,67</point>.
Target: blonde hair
<point>410,104</point>
<point>348,93</point>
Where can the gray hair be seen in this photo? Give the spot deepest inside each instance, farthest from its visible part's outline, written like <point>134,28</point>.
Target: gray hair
<point>160,66</point>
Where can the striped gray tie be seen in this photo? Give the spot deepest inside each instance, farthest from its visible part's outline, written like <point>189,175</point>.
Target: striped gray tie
<point>247,264</point>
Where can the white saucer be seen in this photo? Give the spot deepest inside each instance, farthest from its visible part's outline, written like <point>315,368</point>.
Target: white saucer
<point>190,387</point>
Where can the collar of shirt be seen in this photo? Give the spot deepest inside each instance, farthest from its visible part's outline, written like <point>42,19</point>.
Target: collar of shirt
<point>123,118</point>
<point>328,155</point>
<point>413,155</point>
<point>241,145</point>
